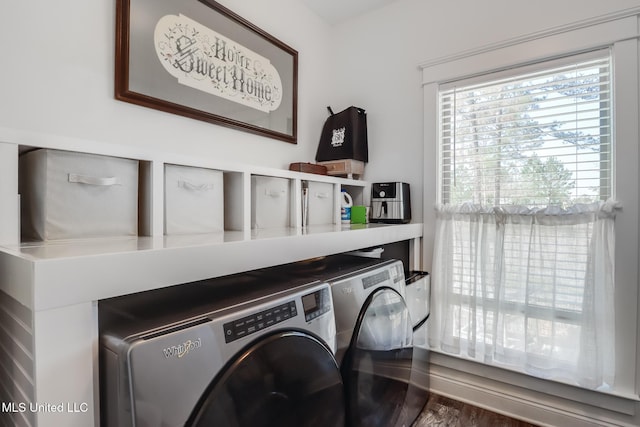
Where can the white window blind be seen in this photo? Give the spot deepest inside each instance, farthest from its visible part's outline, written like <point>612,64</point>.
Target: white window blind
<point>523,256</point>
<point>537,138</point>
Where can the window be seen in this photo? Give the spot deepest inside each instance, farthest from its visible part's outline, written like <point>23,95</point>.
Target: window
<point>534,138</point>
<point>523,258</point>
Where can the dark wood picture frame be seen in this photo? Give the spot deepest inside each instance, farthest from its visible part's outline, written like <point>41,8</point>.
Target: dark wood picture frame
<point>248,98</point>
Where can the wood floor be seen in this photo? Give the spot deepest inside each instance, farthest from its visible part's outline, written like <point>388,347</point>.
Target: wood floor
<point>441,411</point>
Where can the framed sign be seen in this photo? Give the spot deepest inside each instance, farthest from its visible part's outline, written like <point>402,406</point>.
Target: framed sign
<point>198,59</point>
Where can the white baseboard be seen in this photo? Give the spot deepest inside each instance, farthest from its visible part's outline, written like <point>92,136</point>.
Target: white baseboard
<point>528,405</point>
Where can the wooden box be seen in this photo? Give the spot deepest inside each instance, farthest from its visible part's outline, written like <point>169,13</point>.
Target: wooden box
<point>347,167</point>
<point>308,168</point>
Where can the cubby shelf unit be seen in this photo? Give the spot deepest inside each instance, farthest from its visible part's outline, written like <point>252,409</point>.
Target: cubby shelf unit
<point>49,290</point>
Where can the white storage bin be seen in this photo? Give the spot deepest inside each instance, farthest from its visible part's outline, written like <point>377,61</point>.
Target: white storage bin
<point>66,195</point>
<point>270,202</point>
<point>321,199</point>
<point>193,200</point>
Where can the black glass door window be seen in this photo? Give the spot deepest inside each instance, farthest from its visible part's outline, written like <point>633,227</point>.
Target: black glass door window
<point>377,366</point>
<point>289,379</point>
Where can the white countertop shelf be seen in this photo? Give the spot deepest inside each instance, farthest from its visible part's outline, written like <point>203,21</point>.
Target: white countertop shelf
<point>64,273</point>
<point>58,273</point>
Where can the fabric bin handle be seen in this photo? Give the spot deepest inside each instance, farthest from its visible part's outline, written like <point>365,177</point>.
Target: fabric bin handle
<point>195,187</point>
<point>322,195</point>
<point>93,180</point>
<point>274,193</point>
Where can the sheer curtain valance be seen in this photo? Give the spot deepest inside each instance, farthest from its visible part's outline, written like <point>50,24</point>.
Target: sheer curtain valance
<point>528,289</point>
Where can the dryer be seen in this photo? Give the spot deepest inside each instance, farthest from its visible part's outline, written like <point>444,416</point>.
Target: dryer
<point>374,336</point>
<point>239,351</point>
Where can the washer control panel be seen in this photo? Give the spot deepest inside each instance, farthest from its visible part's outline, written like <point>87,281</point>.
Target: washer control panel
<point>316,304</point>
<point>255,322</point>
<point>375,279</point>
<point>391,274</point>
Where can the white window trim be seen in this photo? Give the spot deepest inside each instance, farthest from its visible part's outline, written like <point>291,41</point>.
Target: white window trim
<point>620,32</point>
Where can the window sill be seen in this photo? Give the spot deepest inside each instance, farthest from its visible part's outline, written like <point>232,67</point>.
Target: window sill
<point>554,396</point>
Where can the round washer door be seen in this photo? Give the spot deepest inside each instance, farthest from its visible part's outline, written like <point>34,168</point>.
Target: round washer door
<point>377,366</point>
<point>288,379</point>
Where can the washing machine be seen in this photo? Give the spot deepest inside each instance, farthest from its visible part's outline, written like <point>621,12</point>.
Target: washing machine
<point>374,336</point>
<point>240,351</point>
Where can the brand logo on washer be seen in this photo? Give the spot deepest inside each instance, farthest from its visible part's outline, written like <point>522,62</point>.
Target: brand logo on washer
<point>183,349</point>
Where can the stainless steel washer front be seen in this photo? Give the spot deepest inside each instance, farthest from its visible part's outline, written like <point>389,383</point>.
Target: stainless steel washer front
<point>241,351</point>
<point>374,336</point>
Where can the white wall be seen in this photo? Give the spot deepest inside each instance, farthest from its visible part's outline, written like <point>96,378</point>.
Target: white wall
<point>379,56</point>
<point>376,60</point>
<point>57,74</point>
<point>57,77</point>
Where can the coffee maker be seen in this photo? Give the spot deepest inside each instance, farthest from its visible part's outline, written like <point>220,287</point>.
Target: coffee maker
<point>390,203</point>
